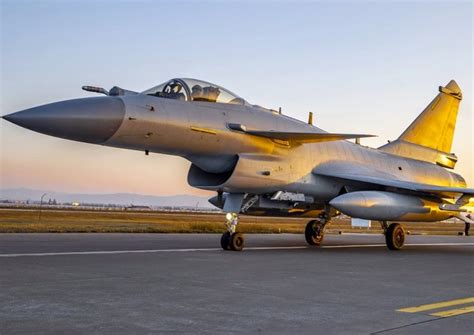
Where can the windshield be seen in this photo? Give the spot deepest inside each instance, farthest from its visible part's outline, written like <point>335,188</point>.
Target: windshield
<point>187,89</point>
<point>173,89</point>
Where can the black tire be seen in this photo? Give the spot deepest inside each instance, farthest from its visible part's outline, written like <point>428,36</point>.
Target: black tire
<point>395,236</point>
<point>237,242</point>
<point>225,241</point>
<point>312,234</point>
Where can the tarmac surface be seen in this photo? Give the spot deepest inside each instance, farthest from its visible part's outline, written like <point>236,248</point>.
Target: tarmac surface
<point>184,283</point>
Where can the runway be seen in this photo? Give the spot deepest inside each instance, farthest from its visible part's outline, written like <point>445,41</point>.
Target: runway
<point>184,283</point>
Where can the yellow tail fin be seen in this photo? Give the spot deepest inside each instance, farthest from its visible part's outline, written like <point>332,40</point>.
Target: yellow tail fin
<point>434,128</point>
<point>430,136</point>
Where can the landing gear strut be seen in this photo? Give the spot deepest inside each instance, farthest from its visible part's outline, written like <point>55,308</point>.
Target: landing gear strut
<point>314,232</point>
<point>394,235</point>
<point>231,240</point>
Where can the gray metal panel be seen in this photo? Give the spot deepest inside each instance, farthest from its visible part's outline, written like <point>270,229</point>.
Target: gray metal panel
<point>390,182</point>
<point>233,202</point>
<point>304,137</point>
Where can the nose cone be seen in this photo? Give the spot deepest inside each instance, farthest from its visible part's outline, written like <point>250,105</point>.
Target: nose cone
<point>92,120</point>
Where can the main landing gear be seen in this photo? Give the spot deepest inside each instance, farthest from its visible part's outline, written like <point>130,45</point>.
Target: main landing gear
<point>314,232</point>
<point>231,240</point>
<point>394,235</point>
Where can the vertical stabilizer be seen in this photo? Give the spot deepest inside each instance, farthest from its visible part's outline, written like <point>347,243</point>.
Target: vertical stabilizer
<point>434,128</point>
<point>430,136</point>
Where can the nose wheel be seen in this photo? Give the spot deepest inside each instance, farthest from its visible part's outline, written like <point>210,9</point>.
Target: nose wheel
<point>225,240</point>
<point>231,240</point>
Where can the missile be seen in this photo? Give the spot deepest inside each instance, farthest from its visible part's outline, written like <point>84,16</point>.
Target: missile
<point>387,206</point>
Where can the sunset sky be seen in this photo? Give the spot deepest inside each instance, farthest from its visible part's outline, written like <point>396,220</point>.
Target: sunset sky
<point>361,67</point>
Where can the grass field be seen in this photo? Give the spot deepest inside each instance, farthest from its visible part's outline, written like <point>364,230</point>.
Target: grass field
<point>61,221</point>
<point>81,221</point>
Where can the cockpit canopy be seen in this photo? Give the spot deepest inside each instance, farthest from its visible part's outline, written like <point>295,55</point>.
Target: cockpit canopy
<point>187,89</point>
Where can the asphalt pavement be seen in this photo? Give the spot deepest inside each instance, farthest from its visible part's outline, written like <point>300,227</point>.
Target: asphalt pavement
<point>184,283</point>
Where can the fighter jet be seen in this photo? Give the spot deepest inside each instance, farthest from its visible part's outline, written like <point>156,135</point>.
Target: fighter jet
<point>262,162</point>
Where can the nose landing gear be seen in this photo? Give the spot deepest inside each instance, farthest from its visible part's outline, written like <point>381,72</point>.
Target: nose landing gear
<point>231,240</point>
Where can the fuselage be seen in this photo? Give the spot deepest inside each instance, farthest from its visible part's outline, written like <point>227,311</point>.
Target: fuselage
<point>199,132</point>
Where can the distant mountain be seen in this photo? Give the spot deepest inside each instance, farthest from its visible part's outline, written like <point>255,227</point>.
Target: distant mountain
<point>24,194</point>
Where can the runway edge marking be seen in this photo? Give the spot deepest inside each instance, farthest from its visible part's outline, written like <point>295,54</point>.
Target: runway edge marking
<point>442,304</point>
<point>107,252</point>
<point>454,312</point>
